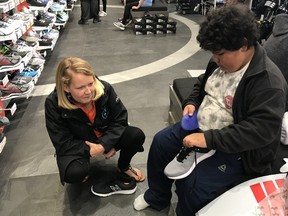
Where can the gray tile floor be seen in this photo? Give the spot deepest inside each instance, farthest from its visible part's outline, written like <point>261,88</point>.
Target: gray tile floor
<point>140,68</point>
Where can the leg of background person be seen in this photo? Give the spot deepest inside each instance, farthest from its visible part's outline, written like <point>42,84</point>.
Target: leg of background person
<point>165,146</point>
<point>98,6</point>
<point>85,10</point>
<point>131,142</point>
<point>94,13</point>
<point>127,10</point>
<point>208,177</point>
<point>77,171</point>
<point>104,2</point>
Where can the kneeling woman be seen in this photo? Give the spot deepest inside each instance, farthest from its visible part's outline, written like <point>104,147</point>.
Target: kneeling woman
<point>85,118</point>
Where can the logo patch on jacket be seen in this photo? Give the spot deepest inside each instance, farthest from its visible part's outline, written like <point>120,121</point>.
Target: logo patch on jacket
<point>105,113</point>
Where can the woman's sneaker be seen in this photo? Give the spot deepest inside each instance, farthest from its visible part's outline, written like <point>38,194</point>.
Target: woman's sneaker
<point>114,187</point>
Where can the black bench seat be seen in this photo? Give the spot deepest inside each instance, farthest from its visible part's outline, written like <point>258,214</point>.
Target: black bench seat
<point>157,7</point>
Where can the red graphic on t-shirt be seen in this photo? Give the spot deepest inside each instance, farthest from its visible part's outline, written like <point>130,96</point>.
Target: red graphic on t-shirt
<point>228,101</point>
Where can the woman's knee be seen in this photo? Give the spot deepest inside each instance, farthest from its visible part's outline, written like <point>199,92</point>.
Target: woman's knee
<point>133,136</point>
<point>77,171</point>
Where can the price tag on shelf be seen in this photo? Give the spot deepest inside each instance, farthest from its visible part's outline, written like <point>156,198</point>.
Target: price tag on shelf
<point>5,80</point>
<point>13,109</point>
<point>11,5</point>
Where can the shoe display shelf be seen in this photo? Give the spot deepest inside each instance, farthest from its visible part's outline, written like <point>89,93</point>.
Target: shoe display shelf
<point>4,121</point>
<point>13,35</point>
<point>54,25</point>
<point>9,5</point>
<point>13,63</point>
<point>41,8</point>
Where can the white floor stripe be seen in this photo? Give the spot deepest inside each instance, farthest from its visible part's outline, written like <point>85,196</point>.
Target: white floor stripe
<point>195,73</point>
<point>190,48</point>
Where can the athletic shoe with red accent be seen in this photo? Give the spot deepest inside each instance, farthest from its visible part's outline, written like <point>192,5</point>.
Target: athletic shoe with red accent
<point>12,90</point>
<point>9,62</point>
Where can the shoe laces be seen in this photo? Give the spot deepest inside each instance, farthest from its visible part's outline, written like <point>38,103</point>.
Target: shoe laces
<point>183,154</point>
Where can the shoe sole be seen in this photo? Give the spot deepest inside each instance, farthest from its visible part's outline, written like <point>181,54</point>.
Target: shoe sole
<point>114,192</point>
<point>201,158</point>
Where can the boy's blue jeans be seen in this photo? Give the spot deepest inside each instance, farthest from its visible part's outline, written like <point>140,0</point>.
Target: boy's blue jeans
<point>196,190</point>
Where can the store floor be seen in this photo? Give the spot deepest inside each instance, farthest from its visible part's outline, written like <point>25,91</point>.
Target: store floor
<point>140,67</point>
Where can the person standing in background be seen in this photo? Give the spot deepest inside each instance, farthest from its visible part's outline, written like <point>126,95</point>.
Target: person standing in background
<point>104,8</point>
<point>128,6</point>
<point>89,10</point>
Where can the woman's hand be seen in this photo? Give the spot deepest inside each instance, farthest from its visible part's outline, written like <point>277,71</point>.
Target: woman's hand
<point>110,154</point>
<point>135,8</point>
<point>96,150</point>
<point>195,139</point>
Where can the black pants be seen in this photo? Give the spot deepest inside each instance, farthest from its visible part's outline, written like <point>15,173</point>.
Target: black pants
<point>127,10</point>
<point>89,9</point>
<point>104,5</point>
<point>131,142</point>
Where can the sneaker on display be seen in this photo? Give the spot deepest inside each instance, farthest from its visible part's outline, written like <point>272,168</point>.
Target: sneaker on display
<point>56,7</point>
<point>45,41</point>
<point>51,17</point>
<point>12,90</point>
<point>15,24</point>
<point>37,61</point>
<point>21,80</point>
<point>25,56</point>
<point>30,37</point>
<point>184,163</point>
<point>19,48</point>
<point>3,1</point>
<point>4,121</point>
<point>9,62</point>
<point>36,3</point>
<point>6,29</point>
<point>26,43</point>
<point>119,25</point>
<point>42,22</point>
<point>28,71</point>
<point>114,187</point>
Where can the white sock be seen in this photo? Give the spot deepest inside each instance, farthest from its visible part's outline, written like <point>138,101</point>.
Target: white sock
<point>140,203</point>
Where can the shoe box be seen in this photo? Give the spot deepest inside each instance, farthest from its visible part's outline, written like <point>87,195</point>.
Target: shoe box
<point>157,24</point>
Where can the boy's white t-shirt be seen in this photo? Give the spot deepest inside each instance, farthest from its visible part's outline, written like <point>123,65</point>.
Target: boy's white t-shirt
<point>215,112</point>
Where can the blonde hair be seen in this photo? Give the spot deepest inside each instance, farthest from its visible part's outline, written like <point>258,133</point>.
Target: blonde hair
<point>64,72</point>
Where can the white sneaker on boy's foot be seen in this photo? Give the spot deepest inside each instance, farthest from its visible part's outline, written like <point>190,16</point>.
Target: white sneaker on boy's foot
<point>119,25</point>
<point>140,203</point>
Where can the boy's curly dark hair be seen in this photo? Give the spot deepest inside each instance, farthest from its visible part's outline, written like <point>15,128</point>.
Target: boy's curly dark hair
<point>228,27</point>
